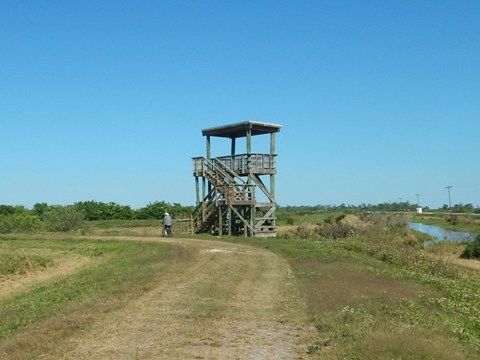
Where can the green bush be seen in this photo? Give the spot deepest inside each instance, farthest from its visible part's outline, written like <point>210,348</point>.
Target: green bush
<point>64,218</point>
<point>16,223</point>
<point>472,250</point>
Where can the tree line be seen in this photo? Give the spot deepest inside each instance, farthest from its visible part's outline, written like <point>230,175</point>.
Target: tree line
<point>382,207</point>
<point>95,210</point>
<point>70,217</point>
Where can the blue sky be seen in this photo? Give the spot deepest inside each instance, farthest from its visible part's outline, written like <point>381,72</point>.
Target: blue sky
<point>105,100</point>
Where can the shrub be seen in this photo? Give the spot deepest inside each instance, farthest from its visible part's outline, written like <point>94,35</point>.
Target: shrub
<point>305,230</point>
<point>472,250</point>
<point>64,218</point>
<point>16,223</point>
<point>335,230</point>
<point>335,227</point>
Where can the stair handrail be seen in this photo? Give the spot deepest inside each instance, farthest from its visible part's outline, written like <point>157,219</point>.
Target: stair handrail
<point>206,200</point>
<point>200,217</point>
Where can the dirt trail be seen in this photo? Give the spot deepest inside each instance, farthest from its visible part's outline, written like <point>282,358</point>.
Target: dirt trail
<point>230,302</point>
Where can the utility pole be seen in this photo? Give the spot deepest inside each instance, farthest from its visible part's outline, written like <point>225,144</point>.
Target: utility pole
<point>417,195</point>
<point>449,198</point>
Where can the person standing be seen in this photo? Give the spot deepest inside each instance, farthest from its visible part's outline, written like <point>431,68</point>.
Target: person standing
<point>167,224</point>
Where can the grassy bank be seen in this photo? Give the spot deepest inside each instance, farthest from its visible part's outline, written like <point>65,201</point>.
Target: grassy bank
<point>111,273</point>
<point>377,294</point>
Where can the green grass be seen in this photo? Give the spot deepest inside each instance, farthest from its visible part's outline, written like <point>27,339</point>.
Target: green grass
<point>118,268</point>
<point>378,295</point>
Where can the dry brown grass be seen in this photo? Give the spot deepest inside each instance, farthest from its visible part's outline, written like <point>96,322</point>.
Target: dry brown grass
<point>344,283</point>
<point>409,343</point>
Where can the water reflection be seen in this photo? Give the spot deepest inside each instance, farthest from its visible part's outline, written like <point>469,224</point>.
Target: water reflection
<point>441,234</point>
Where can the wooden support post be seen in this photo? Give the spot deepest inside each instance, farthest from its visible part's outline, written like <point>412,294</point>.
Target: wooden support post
<point>208,148</point>
<point>209,157</point>
<point>197,189</point>
<point>249,155</point>
<point>229,219</point>
<point>220,222</point>
<point>233,147</point>
<point>253,214</point>
<point>245,222</point>
<point>272,164</point>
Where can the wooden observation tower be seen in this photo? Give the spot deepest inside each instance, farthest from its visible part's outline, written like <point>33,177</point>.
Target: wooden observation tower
<point>232,198</point>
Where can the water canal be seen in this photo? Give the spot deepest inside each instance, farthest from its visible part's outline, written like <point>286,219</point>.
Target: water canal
<point>440,234</point>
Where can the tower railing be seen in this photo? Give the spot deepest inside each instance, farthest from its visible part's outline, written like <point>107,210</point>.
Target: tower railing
<point>238,164</point>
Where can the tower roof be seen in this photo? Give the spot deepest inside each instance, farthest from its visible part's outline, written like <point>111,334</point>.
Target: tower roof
<point>240,129</point>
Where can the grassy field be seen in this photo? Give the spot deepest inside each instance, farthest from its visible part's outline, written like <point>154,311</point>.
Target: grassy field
<point>377,294</point>
<point>77,276</point>
<point>370,288</point>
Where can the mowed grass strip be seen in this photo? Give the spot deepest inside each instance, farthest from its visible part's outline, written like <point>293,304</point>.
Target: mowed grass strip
<point>377,296</point>
<point>121,270</point>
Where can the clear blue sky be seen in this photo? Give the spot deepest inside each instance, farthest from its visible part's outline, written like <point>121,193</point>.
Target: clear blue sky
<point>105,100</point>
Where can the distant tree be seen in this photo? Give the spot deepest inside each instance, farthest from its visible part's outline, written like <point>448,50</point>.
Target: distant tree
<point>7,210</point>
<point>180,211</point>
<point>120,212</point>
<point>155,210</point>
<point>94,210</point>
<point>467,208</point>
<point>40,208</point>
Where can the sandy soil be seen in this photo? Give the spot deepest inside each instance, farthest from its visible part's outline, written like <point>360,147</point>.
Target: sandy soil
<point>261,318</point>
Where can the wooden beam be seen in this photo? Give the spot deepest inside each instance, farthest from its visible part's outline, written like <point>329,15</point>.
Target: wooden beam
<point>208,148</point>
<point>249,156</point>
<point>220,222</point>
<point>245,222</point>
<point>197,189</point>
<point>267,216</point>
<point>272,158</point>
<point>262,187</point>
